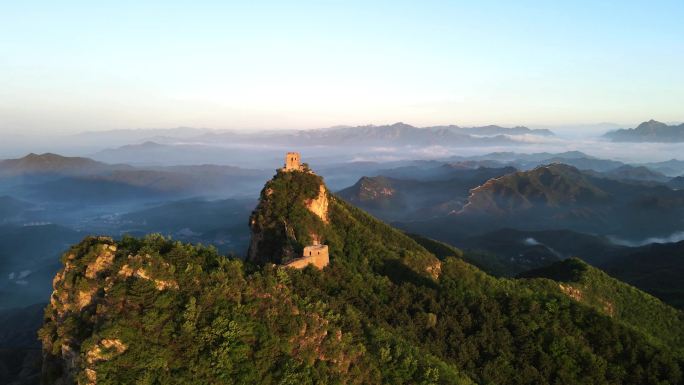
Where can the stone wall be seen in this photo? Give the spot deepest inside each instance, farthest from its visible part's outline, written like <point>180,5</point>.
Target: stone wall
<point>292,162</point>
<point>316,255</point>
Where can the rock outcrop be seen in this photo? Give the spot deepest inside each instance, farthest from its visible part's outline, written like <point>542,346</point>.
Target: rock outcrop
<point>80,301</point>
<point>319,205</point>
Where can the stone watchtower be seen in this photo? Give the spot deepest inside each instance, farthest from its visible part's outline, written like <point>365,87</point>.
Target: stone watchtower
<point>315,254</point>
<point>292,162</point>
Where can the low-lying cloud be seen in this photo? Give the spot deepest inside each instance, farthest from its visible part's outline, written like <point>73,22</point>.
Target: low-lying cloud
<point>672,238</point>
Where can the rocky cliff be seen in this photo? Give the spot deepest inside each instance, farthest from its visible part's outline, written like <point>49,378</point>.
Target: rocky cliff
<point>81,301</point>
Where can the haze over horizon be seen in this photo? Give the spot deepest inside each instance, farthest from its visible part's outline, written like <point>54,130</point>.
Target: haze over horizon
<point>78,66</point>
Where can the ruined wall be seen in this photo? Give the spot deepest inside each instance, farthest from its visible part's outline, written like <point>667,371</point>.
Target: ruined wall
<point>316,255</point>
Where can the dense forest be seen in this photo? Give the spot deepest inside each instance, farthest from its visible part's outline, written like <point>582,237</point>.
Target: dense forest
<point>385,311</point>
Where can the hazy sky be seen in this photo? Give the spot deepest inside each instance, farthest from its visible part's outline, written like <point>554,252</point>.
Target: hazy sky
<point>85,65</point>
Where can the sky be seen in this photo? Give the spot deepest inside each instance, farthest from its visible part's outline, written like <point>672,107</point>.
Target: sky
<point>68,66</point>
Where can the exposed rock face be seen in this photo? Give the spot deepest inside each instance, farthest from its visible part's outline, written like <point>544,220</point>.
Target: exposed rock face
<point>105,350</point>
<point>73,296</point>
<point>80,293</point>
<point>103,262</point>
<point>319,206</point>
<point>141,272</point>
<point>571,292</point>
<point>577,295</point>
<point>434,269</point>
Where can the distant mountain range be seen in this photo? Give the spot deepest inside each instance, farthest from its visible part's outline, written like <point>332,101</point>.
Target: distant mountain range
<point>564,195</point>
<point>547,196</point>
<point>51,177</point>
<point>635,173</point>
<point>651,131</point>
<point>405,134</point>
<point>48,163</point>
<point>393,134</point>
<point>559,196</point>
<point>123,137</point>
<point>556,185</point>
<point>392,198</point>
<point>672,167</point>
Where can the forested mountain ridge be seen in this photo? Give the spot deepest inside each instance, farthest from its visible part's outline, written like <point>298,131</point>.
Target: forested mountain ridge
<point>589,285</point>
<point>61,179</point>
<point>554,185</point>
<point>558,196</point>
<point>49,163</point>
<point>385,310</point>
<point>393,198</point>
<point>651,131</point>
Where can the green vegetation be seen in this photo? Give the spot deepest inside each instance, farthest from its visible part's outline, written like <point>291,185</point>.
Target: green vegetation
<point>494,264</point>
<point>385,311</point>
<point>554,185</point>
<point>641,311</point>
<point>656,269</point>
<point>226,323</point>
<point>440,249</point>
<point>283,223</point>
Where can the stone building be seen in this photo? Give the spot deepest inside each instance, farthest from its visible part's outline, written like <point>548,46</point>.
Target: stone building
<point>293,162</point>
<point>315,254</point>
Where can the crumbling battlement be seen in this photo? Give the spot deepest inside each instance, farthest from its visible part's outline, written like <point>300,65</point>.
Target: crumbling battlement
<point>293,162</point>
<point>315,254</point>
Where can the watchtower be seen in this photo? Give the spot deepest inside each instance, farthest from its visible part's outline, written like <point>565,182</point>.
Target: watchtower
<point>315,254</point>
<point>292,162</point>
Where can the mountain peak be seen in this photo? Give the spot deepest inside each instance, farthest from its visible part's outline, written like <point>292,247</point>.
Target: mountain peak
<point>551,186</point>
<point>651,124</point>
<point>48,163</point>
<point>296,211</point>
<point>292,214</point>
<point>43,156</point>
<point>650,131</point>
